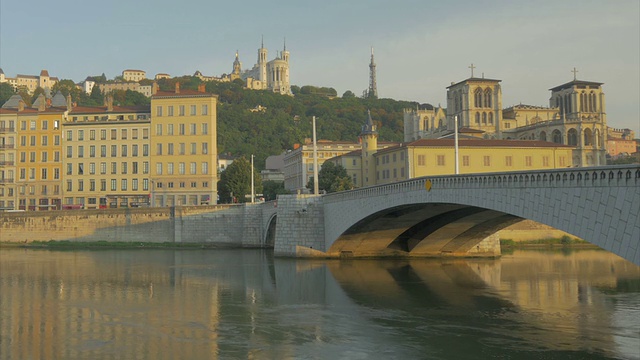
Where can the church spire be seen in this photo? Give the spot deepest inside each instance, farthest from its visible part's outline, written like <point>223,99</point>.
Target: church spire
<point>373,87</point>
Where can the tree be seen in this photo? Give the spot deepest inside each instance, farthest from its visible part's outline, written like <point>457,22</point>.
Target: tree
<point>332,178</point>
<point>271,189</point>
<point>235,182</point>
<point>348,95</point>
<point>6,91</point>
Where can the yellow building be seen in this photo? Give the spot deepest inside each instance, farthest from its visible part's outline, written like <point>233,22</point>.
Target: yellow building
<point>106,157</point>
<point>8,138</point>
<point>430,157</point>
<point>183,147</point>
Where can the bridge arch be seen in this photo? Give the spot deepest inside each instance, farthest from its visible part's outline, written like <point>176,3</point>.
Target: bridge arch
<point>598,205</point>
<point>270,232</point>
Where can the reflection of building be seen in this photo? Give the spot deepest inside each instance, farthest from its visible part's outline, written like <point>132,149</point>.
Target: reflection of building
<point>576,117</point>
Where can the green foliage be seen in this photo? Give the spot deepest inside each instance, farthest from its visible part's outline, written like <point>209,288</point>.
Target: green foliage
<point>623,160</point>
<point>313,90</point>
<point>332,178</point>
<point>24,93</point>
<point>243,132</point>
<point>6,91</point>
<point>271,189</point>
<point>37,92</point>
<point>100,79</point>
<point>348,95</point>
<point>129,98</point>
<point>235,182</point>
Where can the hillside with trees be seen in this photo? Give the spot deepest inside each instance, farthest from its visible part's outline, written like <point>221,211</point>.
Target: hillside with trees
<point>264,123</point>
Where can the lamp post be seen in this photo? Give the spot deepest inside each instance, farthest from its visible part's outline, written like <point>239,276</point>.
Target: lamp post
<point>253,193</point>
<point>315,159</point>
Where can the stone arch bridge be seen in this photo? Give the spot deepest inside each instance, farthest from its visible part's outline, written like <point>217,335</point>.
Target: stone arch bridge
<point>460,215</point>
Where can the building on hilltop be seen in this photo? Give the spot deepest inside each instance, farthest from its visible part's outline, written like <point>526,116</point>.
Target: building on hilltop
<point>133,75</point>
<point>576,117</point>
<point>266,75</point>
<point>31,82</point>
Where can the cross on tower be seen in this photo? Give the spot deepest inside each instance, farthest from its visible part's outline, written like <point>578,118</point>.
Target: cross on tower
<point>472,67</point>
<point>574,71</point>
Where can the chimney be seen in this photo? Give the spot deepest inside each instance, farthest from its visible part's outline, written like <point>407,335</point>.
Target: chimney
<point>109,100</point>
<point>21,105</point>
<point>154,88</point>
<point>69,107</point>
<point>48,102</point>
<point>42,102</point>
<point>177,88</point>
<point>201,88</point>
<point>296,146</point>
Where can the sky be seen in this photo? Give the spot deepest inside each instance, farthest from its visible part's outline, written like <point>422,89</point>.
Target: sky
<point>420,46</point>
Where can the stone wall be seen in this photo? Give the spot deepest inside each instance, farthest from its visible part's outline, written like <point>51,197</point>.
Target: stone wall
<point>300,226</point>
<point>233,225</point>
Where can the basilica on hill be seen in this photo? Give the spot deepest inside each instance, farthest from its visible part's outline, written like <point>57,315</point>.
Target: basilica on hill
<point>265,75</point>
<point>576,116</point>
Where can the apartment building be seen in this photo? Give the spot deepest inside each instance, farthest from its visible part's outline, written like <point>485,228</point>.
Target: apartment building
<point>183,147</point>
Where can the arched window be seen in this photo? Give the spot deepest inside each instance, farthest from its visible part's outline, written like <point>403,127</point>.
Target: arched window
<point>556,136</point>
<point>484,118</point>
<point>592,103</point>
<point>583,101</point>
<point>572,137</point>
<point>543,136</point>
<point>477,118</point>
<point>487,98</point>
<point>477,96</point>
<point>491,118</point>
<point>425,124</point>
<point>588,137</point>
<point>567,104</point>
<point>596,138</point>
<point>560,105</point>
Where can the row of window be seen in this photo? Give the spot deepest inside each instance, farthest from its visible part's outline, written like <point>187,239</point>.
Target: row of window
<point>101,184</point>
<point>182,147</point>
<point>125,168</point>
<point>124,150</point>
<point>182,129</point>
<point>106,117</point>
<point>386,159</point>
<point>170,168</point>
<point>44,124</point>
<point>31,190</point>
<point>112,134</point>
<point>486,160</point>
<point>386,174</point>
<point>44,140</point>
<point>204,110</point>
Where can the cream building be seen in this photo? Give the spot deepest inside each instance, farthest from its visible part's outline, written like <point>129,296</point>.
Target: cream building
<point>183,147</point>
<point>124,86</point>
<point>106,156</point>
<point>8,156</point>
<point>30,82</point>
<point>267,75</point>
<point>576,117</point>
<point>134,75</point>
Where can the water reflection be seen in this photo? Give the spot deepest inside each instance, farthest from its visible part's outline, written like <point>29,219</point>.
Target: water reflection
<point>245,304</point>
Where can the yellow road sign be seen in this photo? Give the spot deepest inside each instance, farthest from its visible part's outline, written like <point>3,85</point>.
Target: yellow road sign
<point>427,185</point>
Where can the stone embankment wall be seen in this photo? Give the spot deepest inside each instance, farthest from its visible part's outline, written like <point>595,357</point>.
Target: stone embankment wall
<point>233,225</point>
<point>528,230</point>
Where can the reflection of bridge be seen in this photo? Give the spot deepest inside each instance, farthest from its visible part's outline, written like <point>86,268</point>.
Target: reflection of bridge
<point>459,215</point>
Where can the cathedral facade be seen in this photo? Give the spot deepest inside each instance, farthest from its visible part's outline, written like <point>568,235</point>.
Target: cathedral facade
<point>266,75</point>
<point>576,117</point>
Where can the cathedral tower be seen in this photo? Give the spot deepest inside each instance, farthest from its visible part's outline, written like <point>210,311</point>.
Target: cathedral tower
<point>262,63</point>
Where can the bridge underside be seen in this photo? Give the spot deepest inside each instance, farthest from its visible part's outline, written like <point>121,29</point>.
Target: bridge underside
<point>425,230</point>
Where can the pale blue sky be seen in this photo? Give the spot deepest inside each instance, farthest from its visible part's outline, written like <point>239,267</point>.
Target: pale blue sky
<point>420,46</point>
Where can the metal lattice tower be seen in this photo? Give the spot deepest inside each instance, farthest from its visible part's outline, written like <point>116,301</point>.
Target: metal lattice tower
<point>373,87</point>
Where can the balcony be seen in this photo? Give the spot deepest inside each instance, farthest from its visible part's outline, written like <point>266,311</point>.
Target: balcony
<point>7,146</point>
<point>4,130</point>
<point>7,163</point>
<point>6,180</point>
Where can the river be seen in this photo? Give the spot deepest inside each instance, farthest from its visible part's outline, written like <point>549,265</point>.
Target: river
<point>246,304</point>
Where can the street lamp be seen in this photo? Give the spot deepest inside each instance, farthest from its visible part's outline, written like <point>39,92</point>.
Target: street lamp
<point>253,192</point>
<point>455,130</point>
<point>296,118</point>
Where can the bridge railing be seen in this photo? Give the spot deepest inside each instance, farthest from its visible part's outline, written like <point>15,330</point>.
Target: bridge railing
<point>602,176</point>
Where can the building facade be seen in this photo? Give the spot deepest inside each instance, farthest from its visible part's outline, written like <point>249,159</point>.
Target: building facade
<point>576,116</point>
<point>134,75</point>
<point>31,82</point>
<point>183,147</point>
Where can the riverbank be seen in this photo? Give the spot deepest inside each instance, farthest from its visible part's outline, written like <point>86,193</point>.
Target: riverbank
<point>564,241</point>
<point>110,245</point>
